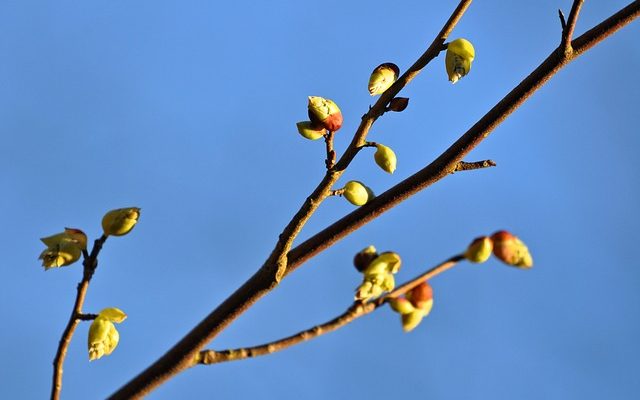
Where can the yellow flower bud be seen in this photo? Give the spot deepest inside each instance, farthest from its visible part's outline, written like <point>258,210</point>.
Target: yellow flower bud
<point>357,193</point>
<point>324,113</point>
<point>479,250</point>
<point>120,221</point>
<point>378,276</point>
<point>401,305</point>
<point>63,248</point>
<point>103,335</point>
<point>411,320</point>
<point>309,131</point>
<point>460,55</point>
<point>113,314</point>
<point>385,158</point>
<point>387,262</point>
<point>382,77</point>
<point>511,250</point>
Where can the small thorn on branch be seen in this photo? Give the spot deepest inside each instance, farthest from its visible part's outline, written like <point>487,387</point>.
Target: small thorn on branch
<point>468,166</point>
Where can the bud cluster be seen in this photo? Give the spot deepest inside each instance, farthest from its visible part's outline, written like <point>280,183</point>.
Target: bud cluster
<point>377,270</point>
<point>414,306</point>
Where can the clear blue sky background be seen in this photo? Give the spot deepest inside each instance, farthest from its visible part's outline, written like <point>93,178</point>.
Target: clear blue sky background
<point>188,110</point>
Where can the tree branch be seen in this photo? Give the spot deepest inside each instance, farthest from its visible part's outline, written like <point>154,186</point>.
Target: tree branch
<point>90,263</point>
<point>181,355</point>
<point>448,160</point>
<point>355,311</point>
<point>281,261</point>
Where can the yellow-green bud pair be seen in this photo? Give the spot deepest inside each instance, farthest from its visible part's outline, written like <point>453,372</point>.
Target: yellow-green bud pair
<point>103,336</point>
<point>505,246</point>
<point>414,306</point>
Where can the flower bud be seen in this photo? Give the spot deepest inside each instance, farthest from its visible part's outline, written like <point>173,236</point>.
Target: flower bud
<point>411,320</point>
<point>363,258</point>
<point>63,248</point>
<point>324,113</point>
<point>387,262</point>
<point>401,305</point>
<point>511,250</point>
<point>385,158</point>
<point>479,250</point>
<point>103,336</point>
<point>357,193</point>
<point>421,297</point>
<point>378,276</point>
<point>113,314</point>
<point>398,104</point>
<point>460,55</point>
<point>382,77</point>
<point>310,131</point>
<point>120,221</point>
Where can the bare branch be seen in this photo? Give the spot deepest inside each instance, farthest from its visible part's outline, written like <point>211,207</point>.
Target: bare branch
<point>563,22</point>
<point>90,263</point>
<point>355,311</point>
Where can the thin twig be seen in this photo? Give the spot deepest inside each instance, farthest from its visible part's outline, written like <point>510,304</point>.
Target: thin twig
<point>563,21</point>
<point>89,263</point>
<point>331,154</point>
<point>355,311</point>
<point>468,166</point>
<point>181,355</point>
<point>569,27</point>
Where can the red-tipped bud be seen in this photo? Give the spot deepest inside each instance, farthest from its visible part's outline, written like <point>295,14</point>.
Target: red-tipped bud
<point>511,250</point>
<point>421,296</point>
<point>324,113</point>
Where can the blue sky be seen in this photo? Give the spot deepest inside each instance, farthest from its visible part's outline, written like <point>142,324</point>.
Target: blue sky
<point>188,110</point>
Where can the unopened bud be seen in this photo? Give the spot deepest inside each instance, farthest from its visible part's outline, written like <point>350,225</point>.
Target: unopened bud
<point>382,77</point>
<point>310,131</point>
<point>511,250</point>
<point>398,104</point>
<point>460,55</point>
<point>363,258</point>
<point>120,221</point>
<point>385,158</point>
<point>479,250</point>
<point>357,193</point>
<point>324,113</point>
<point>421,296</point>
